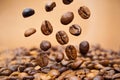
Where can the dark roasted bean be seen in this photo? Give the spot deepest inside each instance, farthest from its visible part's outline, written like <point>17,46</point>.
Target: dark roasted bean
<point>116,76</point>
<point>29,32</point>
<point>59,56</point>
<point>13,67</point>
<point>63,69</point>
<point>98,78</point>
<point>84,12</point>
<point>67,1</point>
<point>54,73</point>
<point>5,72</point>
<point>75,30</point>
<point>28,12</point>
<point>50,6</point>
<point>84,47</point>
<point>21,68</point>
<point>67,18</point>
<point>46,27</point>
<point>71,52</point>
<point>45,45</point>
<point>62,37</point>
<point>76,64</point>
<point>42,60</point>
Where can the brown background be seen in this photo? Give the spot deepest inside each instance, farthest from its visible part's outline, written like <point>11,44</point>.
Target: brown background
<point>102,27</point>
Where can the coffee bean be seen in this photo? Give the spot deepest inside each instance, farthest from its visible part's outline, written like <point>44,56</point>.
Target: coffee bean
<point>76,64</point>
<point>116,67</point>
<point>84,47</point>
<point>67,1</point>
<point>21,68</point>
<point>98,78</point>
<point>59,57</point>
<point>29,32</point>
<point>46,27</point>
<point>67,18</point>
<point>22,75</point>
<point>62,37</point>
<point>5,72</point>
<point>45,45</point>
<point>49,6</point>
<point>71,52</point>
<point>53,73</point>
<point>116,76</point>
<point>75,30</point>
<point>28,12</point>
<point>12,78</point>
<point>63,69</point>
<point>84,12</point>
<point>42,60</point>
<point>73,78</point>
<point>13,67</point>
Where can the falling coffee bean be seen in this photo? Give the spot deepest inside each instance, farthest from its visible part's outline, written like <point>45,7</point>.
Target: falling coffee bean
<point>59,56</point>
<point>42,60</point>
<point>29,32</point>
<point>46,28</point>
<point>67,18</point>
<point>49,6</point>
<point>71,52</point>
<point>62,37</point>
<point>84,47</point>
<point>84,12</point>
<point>28,12</point>
<point>45,45</point>
<point>67,1</point>
<point>75,30</point>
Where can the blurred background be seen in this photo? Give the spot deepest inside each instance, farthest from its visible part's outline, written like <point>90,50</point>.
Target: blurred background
<point>102,27</point>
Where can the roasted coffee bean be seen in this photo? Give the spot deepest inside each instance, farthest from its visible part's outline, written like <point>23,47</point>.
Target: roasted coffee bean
<point>63,69</point>
<point>98,78</point>
<point>5,72</point>
<point>62,37</point>
<point>59,56</point>
<point>53,73</point>
<point>45,70</point>
<point>76,64</point>
<point>29,32</point>
<point>84,47</point>
<point>28,78</point>
<point>71,52</point>
<point>13,67</point>
<point>84,12</point>
<point>116,67</point>
<point>12,78</point>
<point>21,68</point>
<point>46,27</point>
<point>45,45</point>
<point>49,6</point>
<point>67,1</point>
<point>22,75</point>
<point>42,60</point>
<point>75,30</point>
<point>67,18</point>
<point>116,76</point>
<point>28,12</point>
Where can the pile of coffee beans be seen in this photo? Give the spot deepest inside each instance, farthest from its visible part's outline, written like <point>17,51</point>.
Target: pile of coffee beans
<point>60,63</point>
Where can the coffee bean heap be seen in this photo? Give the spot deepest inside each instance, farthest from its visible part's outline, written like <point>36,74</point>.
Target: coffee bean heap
<point>54,64</point>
